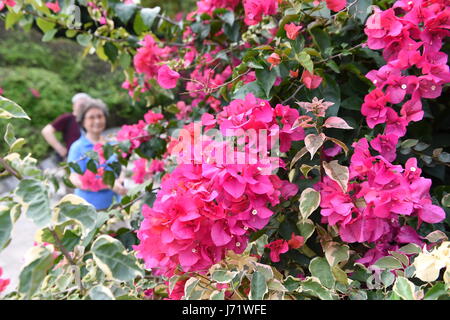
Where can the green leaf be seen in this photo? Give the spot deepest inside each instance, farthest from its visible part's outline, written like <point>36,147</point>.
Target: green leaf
<point>189,288</point>
<point>148,15</point>
<point>217,295</point>
<point>305,60</point>
<point>321,38</point>
<point>337,173</point>
<point>436,291</point>
<point>17,145</point>
<point>313,142</point>
<point>84,215</point>
<point>34,193</point>
<point>9,109</point>
<point>258,286</point>
<point>71,33</point>
<point>387,278</point>
<point>109,178</point>
<point>359,10</point>
<point>223,276</point>
<point>138,25</point>
<point>11,19</point>
<point>100,292</point>
<point>313,287</point>
<point>6,226</point>
<point>320,269</point>
<point>125,11</point>
<point>84,40</point>
<point>45,25</point>
<point>411,248</point>
<point>265,79</point>
<point>49,35</point>
<point>309,201</point>
<point>9,134</point>
<point>388,263</point>
<point>336,253</point>
<point>252,87</point>
<point>112,258</point>
<point>404,288</point>
<point>91,166</point>
<point>111,52</point>
<point>35,270</point>
<point>306,228</point>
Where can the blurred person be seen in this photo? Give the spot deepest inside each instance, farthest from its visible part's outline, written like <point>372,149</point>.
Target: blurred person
<point>66,124</point>
<point>92,119</point>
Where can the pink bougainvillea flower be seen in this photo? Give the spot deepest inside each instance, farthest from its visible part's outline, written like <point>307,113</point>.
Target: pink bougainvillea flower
<point>1,91</point>
<point>293,74</point>
<point>54,6</point>
<point>310,80</point>
<point>336,5</point>
<point>167,78</point>
<point>4,3</point>
<point>3,282</point>
<point>292,30</point>
<point>386,146</point>
<point>277,247</point>
<point>274,60</point>
<point>151,117</point>
<point>256,9</point>
<point>374,107</point>
<point>296,241</point>
<point>35,93</point>
<point>148,56</point>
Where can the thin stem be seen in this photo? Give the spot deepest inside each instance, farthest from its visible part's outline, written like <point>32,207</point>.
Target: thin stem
<point>295,93</point>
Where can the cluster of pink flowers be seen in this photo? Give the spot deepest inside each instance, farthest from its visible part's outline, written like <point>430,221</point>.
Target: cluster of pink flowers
<point>4,3</point>
<point>411,34</point>
<point>378,194</point>
<point>208,6</point>
<point>142,170</point>
<point>3,282</point>
<point>93,181</point>
<point>205,209</point>
<point>148,60</point>
<point>256,9</point>
<point>280,246</point>
<point>257,114</point>
<point>137,133</point>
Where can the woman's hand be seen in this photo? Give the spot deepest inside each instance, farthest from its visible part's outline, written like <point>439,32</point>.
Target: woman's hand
<point>119,188</point>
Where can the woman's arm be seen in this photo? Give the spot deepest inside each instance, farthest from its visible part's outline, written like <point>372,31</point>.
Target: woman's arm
<point>75,179</point>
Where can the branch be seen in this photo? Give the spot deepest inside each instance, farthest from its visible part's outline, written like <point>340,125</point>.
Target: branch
<point>10,169</point>
<point>66,255</point>
<point>295,93</point>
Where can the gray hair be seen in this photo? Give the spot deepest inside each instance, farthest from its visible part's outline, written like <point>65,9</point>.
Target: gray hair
<point>79,96</point>
<point>92,104</point>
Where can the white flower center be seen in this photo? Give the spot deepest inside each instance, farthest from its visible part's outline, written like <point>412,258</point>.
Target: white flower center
<point>194,251</point>
<point>375,81</point>
<point>433,88</point>
<point>254,212</point>
<point>412,169</point>
<point>403,86</point>
<point>238,244</point>
<point>245,228</point>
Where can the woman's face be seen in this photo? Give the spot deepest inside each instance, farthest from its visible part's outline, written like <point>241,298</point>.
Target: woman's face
<point>94,121</point>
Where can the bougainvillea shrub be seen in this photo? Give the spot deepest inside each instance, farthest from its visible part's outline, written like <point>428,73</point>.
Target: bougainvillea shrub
<point>292,149</point>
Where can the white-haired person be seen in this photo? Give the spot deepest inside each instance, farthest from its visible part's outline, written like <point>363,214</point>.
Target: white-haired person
<point>89,186</point>
<point>66,124</point>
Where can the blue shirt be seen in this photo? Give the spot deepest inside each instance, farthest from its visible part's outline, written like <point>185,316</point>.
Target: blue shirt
<point>99,199</point>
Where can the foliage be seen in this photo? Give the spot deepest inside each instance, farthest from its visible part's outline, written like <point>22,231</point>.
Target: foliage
<point>332,218</point>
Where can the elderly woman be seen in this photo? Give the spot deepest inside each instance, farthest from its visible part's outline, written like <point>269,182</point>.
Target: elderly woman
<point>93,120</point>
